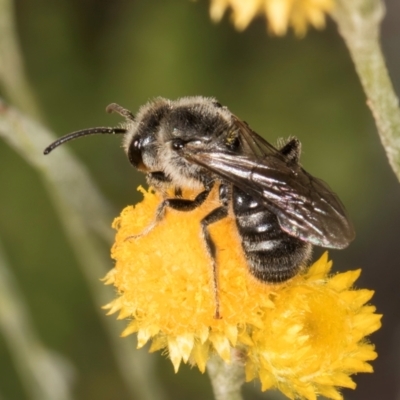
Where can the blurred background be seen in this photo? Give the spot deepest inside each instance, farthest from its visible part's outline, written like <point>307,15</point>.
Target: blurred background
<point>79,56</point>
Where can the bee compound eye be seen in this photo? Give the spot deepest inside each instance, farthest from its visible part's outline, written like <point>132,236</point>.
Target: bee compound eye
<point>135,153</point>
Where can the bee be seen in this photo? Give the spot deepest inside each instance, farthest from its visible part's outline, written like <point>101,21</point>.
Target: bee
<point>280,210</point>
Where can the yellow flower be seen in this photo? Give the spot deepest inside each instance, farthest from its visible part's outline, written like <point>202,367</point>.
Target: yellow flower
<point>314,338</point>
<point>305,336</point>
<point>280,13</point>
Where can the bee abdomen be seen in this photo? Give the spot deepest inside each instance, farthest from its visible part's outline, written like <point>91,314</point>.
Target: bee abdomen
<point>274,261</point>
<point>272,255</point>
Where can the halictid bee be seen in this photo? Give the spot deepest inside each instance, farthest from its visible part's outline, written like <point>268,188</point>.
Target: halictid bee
<point>281,211</point>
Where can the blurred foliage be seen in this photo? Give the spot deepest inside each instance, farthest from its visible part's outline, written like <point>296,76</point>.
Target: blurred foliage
<point>81,55</point>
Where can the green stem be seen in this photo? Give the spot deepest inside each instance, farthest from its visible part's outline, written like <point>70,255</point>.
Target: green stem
<point>44,374</point>
<point>12,72</point>
<point>226,379</point>
<point>83,213</point>
<point>81,207</point>
<point>359,24</point>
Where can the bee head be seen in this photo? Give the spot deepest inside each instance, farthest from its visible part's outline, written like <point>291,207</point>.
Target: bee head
<point>164,132</point>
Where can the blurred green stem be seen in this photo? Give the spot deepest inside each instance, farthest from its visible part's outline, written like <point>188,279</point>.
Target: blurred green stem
<point>44,374</point>
<point>82,212</point>
<point>80,205</point>
<point>359,24</point>
<point>12,75</point>
<point>226,379</point>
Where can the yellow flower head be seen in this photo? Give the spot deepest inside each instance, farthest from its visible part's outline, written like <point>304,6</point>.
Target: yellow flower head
<point>305,336</point>
<point>280,13</point>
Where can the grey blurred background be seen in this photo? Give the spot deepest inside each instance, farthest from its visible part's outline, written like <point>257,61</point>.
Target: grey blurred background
<point>81,55</point>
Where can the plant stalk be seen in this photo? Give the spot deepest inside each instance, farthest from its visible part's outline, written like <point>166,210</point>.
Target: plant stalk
<point>226,379</point>
<point>359,24</point>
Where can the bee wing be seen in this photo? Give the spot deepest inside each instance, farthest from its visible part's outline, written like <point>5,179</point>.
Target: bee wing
<point>253,143</point>
<point>305,206</point>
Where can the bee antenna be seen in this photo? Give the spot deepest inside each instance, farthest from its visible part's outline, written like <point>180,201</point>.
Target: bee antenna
<point>114,107</point>
<point>84,132</point>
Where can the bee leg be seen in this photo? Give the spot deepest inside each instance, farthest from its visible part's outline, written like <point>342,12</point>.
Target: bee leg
<point>176,204</point>
<point>214,216</point>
